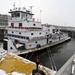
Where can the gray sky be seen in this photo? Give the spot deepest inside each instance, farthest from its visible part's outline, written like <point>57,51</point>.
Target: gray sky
<point>56,12</point>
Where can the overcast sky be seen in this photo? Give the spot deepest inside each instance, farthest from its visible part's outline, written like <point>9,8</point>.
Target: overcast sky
<point>56,12</point>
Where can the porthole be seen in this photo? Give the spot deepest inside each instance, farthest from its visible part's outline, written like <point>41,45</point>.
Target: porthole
<point>19,32</point>
<point>39,33</point>
<point>33,24</point>
<point>12,32</point>
<point>36,42</point>
<point>11,48</point>
<point>31,33</point>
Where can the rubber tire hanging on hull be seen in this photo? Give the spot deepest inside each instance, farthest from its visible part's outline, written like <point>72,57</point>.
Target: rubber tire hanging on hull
<point>38,46</point>
<point>34,72</point>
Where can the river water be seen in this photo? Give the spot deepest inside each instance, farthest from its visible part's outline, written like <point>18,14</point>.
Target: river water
<point>60,54</point>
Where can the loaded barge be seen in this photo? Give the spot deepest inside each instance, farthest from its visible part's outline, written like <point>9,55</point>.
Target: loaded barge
<point>12,64</point>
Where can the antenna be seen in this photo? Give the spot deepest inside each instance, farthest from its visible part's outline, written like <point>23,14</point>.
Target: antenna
<point>31,8</point>
<point>24,8</point>
<point>40,15</point>
<point>14,5</point>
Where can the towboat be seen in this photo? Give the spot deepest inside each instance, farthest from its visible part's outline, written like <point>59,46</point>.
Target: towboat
<point>25,34</point>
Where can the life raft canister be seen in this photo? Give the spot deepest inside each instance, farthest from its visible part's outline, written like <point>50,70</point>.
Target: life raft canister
<point>33,19</point>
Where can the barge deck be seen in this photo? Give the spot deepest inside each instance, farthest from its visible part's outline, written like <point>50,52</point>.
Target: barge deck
<point>12,64</point>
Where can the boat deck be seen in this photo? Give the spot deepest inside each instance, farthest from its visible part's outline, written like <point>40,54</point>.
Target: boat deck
<point>19,52</point>
<point>12,63</point>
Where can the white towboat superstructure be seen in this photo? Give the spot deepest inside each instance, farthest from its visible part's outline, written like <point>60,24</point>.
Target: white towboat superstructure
<point>25,33</point>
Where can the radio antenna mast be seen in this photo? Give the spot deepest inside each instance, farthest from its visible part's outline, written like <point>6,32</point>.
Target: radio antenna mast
<point>40,15</point>
<point>14,5</point>
<point>31,8</point>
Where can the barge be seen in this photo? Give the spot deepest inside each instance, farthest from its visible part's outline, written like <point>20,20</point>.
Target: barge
<point>12,64</point>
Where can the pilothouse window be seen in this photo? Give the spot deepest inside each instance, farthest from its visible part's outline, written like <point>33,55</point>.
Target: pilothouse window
<point>15,14</point>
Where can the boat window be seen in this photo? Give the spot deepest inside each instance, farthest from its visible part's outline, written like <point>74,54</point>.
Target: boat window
<point>12,24</point>
<point>12,32</point>
<point>15,14</point>
<point>12,35</point>
<point>24,37</point>
<point>16,36</point>
<point>26,17</point>
<point>31,33</point>
<point>21,36</point>
<point>20,24</point>
<point>9,35</point>
<point>27,38</point>
<point>53,30</point>
<point>19,32</point>
<point>36,42</point>
<point>39,33</point>
<point>11,48</point>
<point>33,24</point>
<point>23,15</point>
<point>56,30</point>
